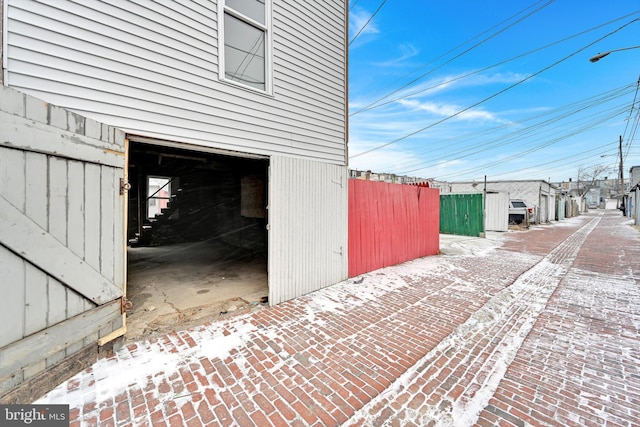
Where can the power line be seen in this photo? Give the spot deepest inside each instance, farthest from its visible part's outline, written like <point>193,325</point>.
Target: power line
<point>367,23</point>
<point>462,53</point>
<point>529,77</point>
<point>584,154</point>
<point>592,122</point>
<point>529,131</point>
<point>533,149</point>
<point>377,103</point>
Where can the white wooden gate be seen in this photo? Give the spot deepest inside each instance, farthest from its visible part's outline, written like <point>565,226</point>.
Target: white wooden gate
<point>497,211</point>
<point>61,235</point>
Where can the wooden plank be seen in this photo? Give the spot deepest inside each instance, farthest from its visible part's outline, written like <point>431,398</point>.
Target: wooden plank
<point>36,189</point>
<point>389,224</point>
<point>115,334</point>
<point>372,223</point>
<point>92,216</point>
<point>35,300</point>
<point>12,171</point>
<point>398,222</point>
<point>363,206</point>
<point>57,216</point>
<point>107,223</point>
<point>52,256</point>
<point>120,232</point>
<point>12,300</point>
<point>54,339</point>
<point>297,209</point>
<point>75,303</point>
<point>75,230</point>
<point>410,202</point>
<point>56,302</point>
<point>383,226</point>
<point>18,132</point>
<point>354,231</point>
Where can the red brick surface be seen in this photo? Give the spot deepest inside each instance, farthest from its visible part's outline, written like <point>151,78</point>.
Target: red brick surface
<point>541,331</point>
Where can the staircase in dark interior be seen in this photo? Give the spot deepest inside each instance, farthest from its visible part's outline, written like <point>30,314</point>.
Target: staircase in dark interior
<point>164,228</point>
<point>187,218</point>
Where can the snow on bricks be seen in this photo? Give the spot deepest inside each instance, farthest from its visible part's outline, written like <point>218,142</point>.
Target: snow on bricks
<point>524,328</point>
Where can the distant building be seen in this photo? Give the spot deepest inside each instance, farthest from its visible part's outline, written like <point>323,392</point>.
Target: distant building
<point>634,176</point>
<point>537,193</point>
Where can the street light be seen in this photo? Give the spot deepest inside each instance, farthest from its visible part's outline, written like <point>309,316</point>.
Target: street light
<point>599,56</point>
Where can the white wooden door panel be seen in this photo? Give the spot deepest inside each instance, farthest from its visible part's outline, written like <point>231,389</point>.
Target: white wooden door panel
<point>25,237</point>
<point>62,236</point>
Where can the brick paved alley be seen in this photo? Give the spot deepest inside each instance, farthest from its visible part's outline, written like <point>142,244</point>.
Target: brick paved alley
<point>537,327</point>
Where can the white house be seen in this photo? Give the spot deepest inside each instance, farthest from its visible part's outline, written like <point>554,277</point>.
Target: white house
<point>236,110</point>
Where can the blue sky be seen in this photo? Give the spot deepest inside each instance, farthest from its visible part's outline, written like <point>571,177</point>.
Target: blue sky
<point>456,90</point>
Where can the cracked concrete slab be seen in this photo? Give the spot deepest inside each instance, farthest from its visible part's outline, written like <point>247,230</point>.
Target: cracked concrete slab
<point>175,286</point>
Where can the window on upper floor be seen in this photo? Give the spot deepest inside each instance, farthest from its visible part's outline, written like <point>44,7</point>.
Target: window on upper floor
<point>245,41</point>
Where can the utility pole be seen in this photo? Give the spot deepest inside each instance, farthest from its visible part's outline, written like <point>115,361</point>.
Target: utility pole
<point>621,177</point>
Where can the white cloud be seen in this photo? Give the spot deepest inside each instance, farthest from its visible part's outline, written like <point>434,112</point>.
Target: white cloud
<point>402,162</point>
<point>357,19</point>
<point>407,51</point>
<point>459,81</point>
<point>388,160</point>
<point>447,110</point>
<point>430,87</point>
<point>492,78</point>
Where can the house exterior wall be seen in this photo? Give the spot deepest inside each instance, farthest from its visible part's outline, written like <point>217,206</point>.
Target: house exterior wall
<point>151,68</point>
<point>636,206</point>
<point>1,41</point>
<point>634,177</point>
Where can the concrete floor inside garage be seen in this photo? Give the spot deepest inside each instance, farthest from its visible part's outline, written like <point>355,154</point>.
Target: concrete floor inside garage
<point>177,286</point>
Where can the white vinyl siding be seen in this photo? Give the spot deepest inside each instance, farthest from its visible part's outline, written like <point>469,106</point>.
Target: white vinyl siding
<point>151,68</point>
<point>497,211</point>
<point>308,227</point>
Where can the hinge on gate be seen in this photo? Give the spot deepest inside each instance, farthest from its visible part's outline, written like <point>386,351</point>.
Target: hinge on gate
<point>125,305</point>
<point>124,186</point>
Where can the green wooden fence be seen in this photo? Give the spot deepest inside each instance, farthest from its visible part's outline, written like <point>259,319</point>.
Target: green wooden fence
<point>461,214</point>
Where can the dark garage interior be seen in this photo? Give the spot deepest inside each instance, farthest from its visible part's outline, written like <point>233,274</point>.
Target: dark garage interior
<point>197,239</point>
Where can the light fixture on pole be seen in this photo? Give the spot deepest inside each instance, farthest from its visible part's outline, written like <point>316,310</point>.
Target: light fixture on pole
<point>599,56</point>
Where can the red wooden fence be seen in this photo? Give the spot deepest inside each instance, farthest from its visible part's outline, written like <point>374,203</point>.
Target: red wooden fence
<point>390,224</point>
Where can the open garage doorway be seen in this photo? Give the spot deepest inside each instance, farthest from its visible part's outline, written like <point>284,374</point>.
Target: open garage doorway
<point>197,237</point>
